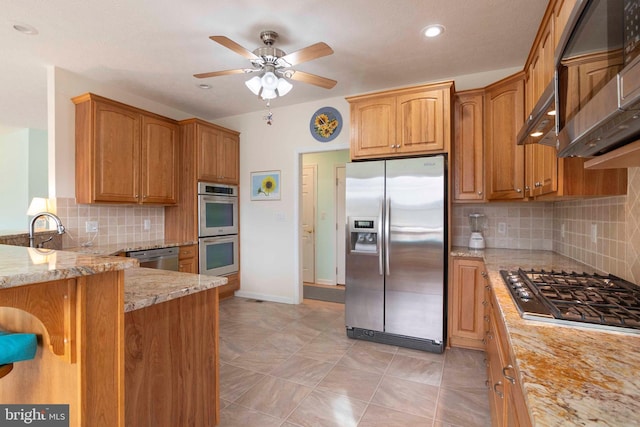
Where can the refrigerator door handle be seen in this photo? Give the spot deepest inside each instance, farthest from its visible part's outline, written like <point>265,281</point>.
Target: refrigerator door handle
<point>379,244</point>
<point>387,222</point>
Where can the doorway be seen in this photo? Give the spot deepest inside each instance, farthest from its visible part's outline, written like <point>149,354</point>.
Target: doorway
<point>322,224</point>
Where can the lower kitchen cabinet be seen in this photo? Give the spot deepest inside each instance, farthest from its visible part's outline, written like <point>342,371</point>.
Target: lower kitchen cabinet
<point>171,363</point>
<point>233,284</point>
<point>507,404</point>
<point>466,299</point>
<point>188,259</point>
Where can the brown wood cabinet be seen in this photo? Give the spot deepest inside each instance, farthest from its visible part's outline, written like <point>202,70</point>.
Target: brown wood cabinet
<point>123,154</point>
<point>171,362</point>
<point>402,122</point>
<point>468,147</point>
<point>218,154</point>
<point>188,259</point>
<point>506,399</point>
<point>504,115</point>
<point>466,308</point>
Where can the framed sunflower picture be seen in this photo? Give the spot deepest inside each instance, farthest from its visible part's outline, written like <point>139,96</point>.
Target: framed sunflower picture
<point>325,124</point>
<point>265,185</point>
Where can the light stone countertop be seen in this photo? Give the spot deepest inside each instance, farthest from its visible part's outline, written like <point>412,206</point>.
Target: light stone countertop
<point>144,287</point>
<point>117,248</point>
<point>21,266</point>
<point>570,375</point>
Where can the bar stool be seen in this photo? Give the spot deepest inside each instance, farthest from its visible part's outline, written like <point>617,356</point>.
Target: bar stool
<point>15,347</point>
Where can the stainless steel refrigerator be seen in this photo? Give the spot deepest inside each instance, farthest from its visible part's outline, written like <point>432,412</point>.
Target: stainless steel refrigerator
<point>396,261</point>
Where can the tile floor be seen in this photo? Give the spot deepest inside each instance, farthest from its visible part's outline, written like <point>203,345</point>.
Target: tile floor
<point>293,365</point>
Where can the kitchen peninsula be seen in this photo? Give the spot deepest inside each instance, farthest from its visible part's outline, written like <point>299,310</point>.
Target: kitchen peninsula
<point>110,335</point>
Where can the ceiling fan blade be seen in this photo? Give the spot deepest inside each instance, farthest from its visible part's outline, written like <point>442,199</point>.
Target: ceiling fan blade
<point>220,73</point>
<point>324,82</point>
<point>308,53</point>
<point>230,44</point>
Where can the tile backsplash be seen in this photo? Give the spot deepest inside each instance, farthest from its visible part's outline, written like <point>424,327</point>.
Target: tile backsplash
<point>507,225</point>
<point>116,224</point>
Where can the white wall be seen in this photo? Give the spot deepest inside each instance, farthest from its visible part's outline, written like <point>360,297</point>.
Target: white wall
<point>14,162</point>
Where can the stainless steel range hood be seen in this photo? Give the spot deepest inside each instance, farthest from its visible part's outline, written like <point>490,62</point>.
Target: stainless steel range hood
<point>540,127</point>
<point>608,121</point>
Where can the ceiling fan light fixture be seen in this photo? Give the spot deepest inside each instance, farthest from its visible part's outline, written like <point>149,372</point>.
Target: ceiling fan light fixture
<point>284,87</point>
<point>269,81</point>
<point>254,84</point>
<point>268,93</point>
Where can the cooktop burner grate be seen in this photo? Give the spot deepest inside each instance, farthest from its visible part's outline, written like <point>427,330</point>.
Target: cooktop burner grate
<point>593,299</point>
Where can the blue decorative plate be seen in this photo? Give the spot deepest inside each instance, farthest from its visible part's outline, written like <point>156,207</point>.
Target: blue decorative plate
<point>325,124</point>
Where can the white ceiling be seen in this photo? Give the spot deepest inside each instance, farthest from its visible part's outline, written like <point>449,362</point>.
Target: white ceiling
<point>153,47</point>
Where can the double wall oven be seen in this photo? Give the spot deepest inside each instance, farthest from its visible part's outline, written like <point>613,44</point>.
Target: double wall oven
<point>218,228</point>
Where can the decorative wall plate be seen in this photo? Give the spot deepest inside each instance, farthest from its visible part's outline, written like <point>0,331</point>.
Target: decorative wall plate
<point>325,124</point>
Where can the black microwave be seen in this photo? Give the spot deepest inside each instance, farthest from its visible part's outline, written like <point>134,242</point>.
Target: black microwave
<point>597,80</point>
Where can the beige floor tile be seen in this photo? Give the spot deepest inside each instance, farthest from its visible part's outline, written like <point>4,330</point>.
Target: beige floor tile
<point>461,357</point>
<point>421,354</point>
<point>367,360</point>
<point>354,383</point>
<point>325,349</point>
<point>464,407</point>
<point>419,370</point>
<point>326,409</point>
<point>262,358</point>
<point>407,396</point>
<point>237,416</point>
<point>274,396</point>
<point>364,345</point>
<point>291,340</point>
<point>302,370</point>
<point>377,416</point>
<point>464,377</point>
<point>234,381</point>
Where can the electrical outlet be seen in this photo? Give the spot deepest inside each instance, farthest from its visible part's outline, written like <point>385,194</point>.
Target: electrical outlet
<point>594,233</point>
<point>91,226</point>
<point>562,231</point>
<point>146,224</point>
<point>502,227</point>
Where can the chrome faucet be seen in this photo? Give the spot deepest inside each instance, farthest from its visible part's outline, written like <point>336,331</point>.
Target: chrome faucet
<point>33,222</point>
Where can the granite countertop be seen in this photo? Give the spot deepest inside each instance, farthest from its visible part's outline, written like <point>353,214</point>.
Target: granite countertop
<point>147,286</point>
<point>22,266</point>
<point>117,248</point>
<point>570,375</point>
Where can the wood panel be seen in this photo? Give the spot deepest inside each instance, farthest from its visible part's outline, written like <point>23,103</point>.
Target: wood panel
<point>171,363</point>
<point>468,149</point>
<point>421,122</point>
<point>373,126</point>
<point>466,309</point>
<point>160,161</point>
<point>233,284</point>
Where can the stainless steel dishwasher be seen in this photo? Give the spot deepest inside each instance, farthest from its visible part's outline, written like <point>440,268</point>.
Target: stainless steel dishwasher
<point>163,258</point>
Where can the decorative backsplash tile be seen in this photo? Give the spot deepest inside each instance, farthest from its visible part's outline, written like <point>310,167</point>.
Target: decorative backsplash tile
<point>508,225</point>
<point>116,224</point>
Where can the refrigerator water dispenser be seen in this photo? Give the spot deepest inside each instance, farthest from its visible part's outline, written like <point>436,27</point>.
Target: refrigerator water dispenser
<point>363,235</point>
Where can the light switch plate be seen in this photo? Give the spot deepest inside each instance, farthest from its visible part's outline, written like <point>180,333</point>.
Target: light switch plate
<point>91,226</point>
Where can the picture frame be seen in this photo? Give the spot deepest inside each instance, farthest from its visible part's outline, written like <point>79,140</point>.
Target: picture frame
<point>265,185</point>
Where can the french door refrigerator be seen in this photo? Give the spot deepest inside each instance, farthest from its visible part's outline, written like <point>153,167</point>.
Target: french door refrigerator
<point>396,261</point>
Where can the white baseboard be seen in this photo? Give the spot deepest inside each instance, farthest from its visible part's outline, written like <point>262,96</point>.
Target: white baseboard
<point>264,297</point>
<point>325,282</point>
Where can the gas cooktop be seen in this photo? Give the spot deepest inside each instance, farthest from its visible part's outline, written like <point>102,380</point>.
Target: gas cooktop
<point>592,300</point>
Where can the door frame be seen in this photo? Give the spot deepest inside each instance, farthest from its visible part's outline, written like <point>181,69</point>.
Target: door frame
<point>314,170</point>
<point>297,235</point>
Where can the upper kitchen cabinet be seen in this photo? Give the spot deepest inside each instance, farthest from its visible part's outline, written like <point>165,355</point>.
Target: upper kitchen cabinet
<point>561,11</point>
<point>123,154</point>
<point>402,122</point>
<point>218,153</point>
<point>468,146</point>
<point>504,116</point>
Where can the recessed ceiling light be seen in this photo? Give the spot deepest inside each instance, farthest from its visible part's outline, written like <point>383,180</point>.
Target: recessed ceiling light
<point>204,86</point>
<point>433,30</point>
<point>25,29</point>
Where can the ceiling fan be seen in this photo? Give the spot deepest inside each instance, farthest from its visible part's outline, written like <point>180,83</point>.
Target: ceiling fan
<point>274,66</point>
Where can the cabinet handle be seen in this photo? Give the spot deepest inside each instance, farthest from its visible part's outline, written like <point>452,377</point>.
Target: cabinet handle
<point>509,378</point>
<point>486,318</point>
<point>480,193</point>
<point>486,363</point>
<point>489,334</point>
<point>498,392</point>
<point>487,384</point>
<point>487,287</point>
<point>483,274</point>
<point>484,342</point>
<point>518,190</point>
<point>484,303</point>
<point>526,188</point>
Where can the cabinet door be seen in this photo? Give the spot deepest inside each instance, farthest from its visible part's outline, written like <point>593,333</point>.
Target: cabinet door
<point>116,154</point>
<point>421,123</point>
<point>159,161</point>
<point>468,156</point>
<point>229,158</point>
<point>542,170</point>
<point>467,311</point>
<point>207,152</point>
<point>562,10</point>
<point>373,127</point>
<point>504,116</point>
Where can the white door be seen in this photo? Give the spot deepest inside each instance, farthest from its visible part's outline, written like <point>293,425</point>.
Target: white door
<point>340,224</point>
<point>308,223</point>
